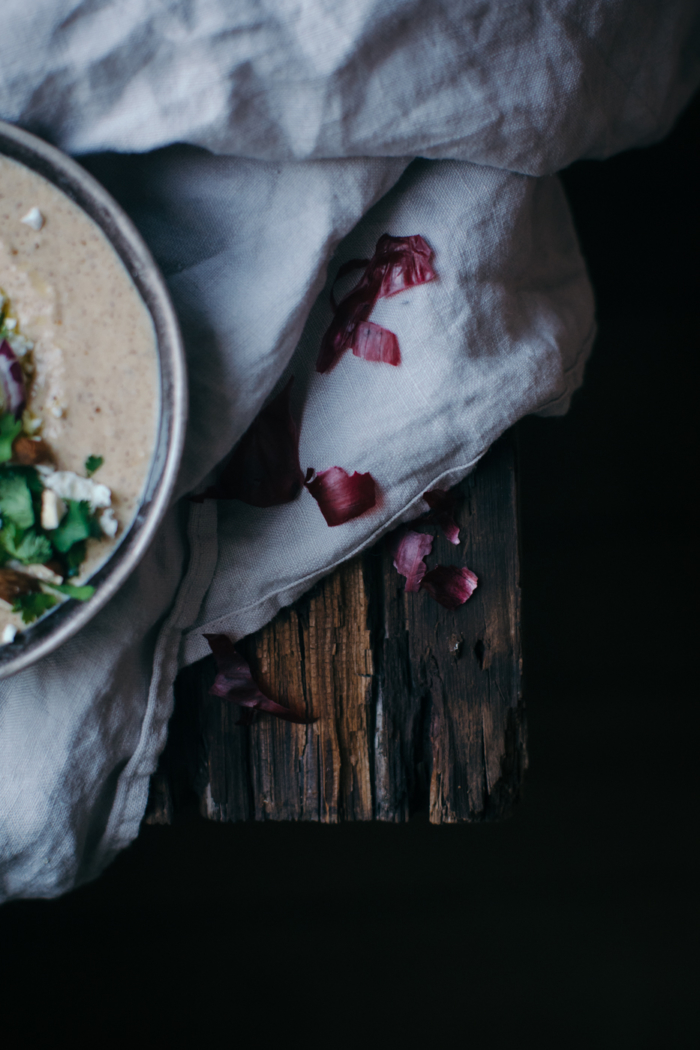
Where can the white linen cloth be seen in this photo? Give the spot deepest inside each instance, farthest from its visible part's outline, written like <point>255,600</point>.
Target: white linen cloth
<point>316,110</point>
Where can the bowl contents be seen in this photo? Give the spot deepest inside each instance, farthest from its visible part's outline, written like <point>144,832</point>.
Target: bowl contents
<point>79,398</point>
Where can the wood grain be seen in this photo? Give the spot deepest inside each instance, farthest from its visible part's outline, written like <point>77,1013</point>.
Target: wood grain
<point>414,704</point>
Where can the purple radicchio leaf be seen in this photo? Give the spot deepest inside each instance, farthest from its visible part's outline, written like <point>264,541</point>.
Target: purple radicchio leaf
<point>342,496</point>
<point>398,263</point>
<point>450,585</point>
<point>409,551</point>
<point>371,342</point>
<point>11,381</point>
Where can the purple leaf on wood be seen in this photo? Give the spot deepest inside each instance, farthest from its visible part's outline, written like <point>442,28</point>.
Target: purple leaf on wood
<point>409,551</point>
<point>234,681</point>
<point>450,585</point>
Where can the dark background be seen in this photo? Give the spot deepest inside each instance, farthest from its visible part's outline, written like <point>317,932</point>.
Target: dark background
<point>574,924</point>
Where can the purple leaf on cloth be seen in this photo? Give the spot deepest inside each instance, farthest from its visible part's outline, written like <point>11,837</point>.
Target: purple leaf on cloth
<point>442,505</point>
<point>409,551</point>
<point>11,381</point>
<point>234,682</point>
<point>342,496</point>
<point>406,262</point>
<point>450,585</point>
<point>398,263</point>
<point>371,342</point>
<point>264,469</point>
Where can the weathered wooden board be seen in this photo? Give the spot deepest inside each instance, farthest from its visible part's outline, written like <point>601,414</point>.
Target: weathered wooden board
<point>414,704</point>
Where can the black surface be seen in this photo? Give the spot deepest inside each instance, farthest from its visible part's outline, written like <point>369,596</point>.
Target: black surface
<point>575,923</point>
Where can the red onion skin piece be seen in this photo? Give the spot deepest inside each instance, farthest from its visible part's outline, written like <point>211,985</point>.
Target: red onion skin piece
<point>234,682</point>
<point>409,551</point>
<point>407,261</point>
<point>371,342</point>
<point>442,504</point>
<point>264,469</point>
<point>450,585</point>
<point>342,496</point>
<point>352,310</point>
<point>398,263</point>
<point>12,380</point>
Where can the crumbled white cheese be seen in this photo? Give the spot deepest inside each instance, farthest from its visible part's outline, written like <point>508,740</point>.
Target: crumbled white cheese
<point>20,344</point>
<point>9,634</point>
<point>34,218</point>
<point>68,485</point>
<point>10,323</point>
<point>52,509</point>
<point>108,523</point>
<point>57,410</point>
<point>30,422</point>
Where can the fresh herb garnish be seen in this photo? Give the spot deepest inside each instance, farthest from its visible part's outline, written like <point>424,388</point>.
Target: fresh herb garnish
<point>73,559</point>
<point>93,463</point>
<point>36,603</point>
<point>16,500</point>
<point>81,594</point>
<point>10,428</point>
<point>27,546</point>
<point>77,525</point>
<point>33,605</point>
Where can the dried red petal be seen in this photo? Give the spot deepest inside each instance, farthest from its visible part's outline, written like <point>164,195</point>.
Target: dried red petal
<point>264,469</point>
<point>442,504</point>
<point>410,550</point>
<point>342,496</point>
<point>234,682</point>
<point>398,263</point>
<point>371,342</point>
<point>450,585</point>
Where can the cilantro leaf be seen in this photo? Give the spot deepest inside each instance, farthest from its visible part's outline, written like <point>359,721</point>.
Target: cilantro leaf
<point>81,594</point>
<point>33,605</point>
<point>26,546</point>
<point>10,428</point>
<point>16,501</point>
<point>76,525</point>
<point>73,559</point>
<point>93,463</point>
<point>34,482</point>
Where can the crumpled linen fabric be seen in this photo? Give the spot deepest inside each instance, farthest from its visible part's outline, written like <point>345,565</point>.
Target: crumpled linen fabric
<point>529,86</point>
<point>257,146</point>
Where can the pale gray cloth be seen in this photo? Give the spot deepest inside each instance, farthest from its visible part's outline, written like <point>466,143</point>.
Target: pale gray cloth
<point>317,109</point>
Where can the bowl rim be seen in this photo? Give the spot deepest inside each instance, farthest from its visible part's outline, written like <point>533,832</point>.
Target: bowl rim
<point>66,619</point>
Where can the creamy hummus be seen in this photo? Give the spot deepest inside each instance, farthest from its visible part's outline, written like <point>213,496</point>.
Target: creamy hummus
<point>93,378</point>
